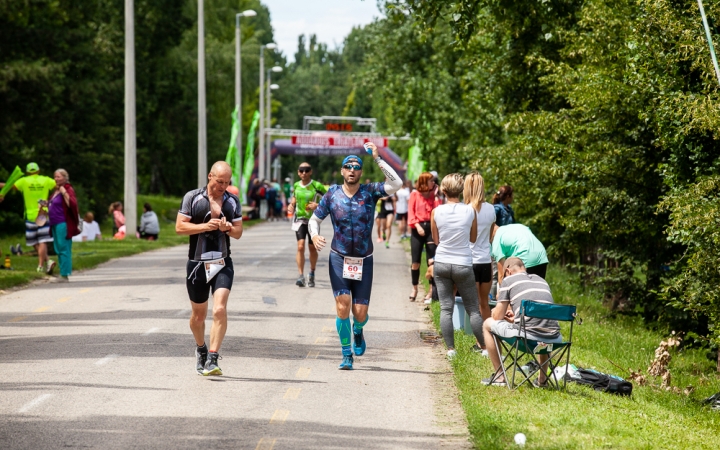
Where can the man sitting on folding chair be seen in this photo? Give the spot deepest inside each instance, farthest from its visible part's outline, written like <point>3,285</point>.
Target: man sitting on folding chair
<point>518,285</point>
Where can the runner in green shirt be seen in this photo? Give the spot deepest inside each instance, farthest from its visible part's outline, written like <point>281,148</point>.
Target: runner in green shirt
<point>305,199</point>
<point>35,189</point>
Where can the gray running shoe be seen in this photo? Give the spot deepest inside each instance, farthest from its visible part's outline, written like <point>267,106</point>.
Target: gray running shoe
<point>211,365</point>
<point>201,355</point>
<point>300,281</point>
<point>311,281</point>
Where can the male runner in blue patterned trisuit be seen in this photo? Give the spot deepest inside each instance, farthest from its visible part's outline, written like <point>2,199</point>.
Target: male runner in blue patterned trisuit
<point>352,210</point>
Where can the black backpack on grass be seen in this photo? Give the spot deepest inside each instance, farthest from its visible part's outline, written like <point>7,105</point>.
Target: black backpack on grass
<point>603,382</point>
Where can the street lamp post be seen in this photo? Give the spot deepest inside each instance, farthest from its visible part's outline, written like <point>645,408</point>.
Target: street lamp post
<point>238,97</point>
<point>202,118</point>
<point>130,124</point>
<point>270,88</point>
<point>261,146</point>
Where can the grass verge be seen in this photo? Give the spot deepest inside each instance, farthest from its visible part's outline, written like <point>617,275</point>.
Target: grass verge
<point>87,255</point>
<point>651,418</point>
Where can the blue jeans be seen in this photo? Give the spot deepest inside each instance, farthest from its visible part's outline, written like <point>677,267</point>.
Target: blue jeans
<point>63,248</point>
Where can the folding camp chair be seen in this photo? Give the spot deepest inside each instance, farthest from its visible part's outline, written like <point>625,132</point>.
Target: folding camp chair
<point>516,348</point>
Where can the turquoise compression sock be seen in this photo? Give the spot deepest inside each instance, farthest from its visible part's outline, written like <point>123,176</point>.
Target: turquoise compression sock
<point>343,329</point>
<point>358,326</point>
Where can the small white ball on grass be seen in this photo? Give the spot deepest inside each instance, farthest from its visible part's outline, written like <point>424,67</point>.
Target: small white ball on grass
<point>520,439</point>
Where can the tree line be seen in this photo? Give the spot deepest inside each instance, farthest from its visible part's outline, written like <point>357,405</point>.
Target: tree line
<point>62,91</point>
<point>602,114</point>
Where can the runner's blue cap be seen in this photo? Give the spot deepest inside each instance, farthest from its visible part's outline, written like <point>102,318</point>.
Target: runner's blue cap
<point>352,157</point>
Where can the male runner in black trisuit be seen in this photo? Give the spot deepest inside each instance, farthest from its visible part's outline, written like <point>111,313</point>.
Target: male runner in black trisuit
<point>210,216</point>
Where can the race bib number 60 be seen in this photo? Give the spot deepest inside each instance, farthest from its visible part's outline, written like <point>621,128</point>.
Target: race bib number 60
<point>352,268</point>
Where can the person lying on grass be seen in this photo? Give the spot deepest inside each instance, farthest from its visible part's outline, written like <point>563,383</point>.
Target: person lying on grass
<point>518,285</point>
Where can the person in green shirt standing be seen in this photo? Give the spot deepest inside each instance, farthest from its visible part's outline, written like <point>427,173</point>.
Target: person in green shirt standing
<point>516,240</point>
<point>305,199</point>
<point>35,189</point>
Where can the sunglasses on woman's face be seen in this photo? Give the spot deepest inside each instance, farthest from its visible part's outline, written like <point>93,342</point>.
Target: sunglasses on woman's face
<point>305,169</point>
<point>355,167</point>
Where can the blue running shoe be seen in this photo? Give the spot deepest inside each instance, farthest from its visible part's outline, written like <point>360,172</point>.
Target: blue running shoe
<point>346,363</point>
<point>358,345</point>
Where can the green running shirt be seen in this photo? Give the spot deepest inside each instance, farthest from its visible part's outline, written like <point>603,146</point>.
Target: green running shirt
<point>304,195</point>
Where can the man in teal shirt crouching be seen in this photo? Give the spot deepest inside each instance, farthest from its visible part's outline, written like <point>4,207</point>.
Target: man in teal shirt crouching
<point>516,240</point>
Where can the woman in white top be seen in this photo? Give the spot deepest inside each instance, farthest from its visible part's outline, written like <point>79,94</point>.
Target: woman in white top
<point>401,208</point>
<point>474,196</point>
<point>454,227</point>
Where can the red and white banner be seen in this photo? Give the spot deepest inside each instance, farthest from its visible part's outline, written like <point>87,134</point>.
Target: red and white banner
<point>337,141</point>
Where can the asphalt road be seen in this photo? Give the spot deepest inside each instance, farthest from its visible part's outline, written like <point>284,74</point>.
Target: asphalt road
<point>107,360</point>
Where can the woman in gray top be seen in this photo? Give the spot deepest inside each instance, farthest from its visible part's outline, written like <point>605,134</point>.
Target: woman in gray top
<point>149,226</point>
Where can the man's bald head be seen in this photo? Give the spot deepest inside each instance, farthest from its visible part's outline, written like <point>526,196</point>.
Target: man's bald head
<point>219,179</point>
<point>221,168</point>
<point>514,265</point>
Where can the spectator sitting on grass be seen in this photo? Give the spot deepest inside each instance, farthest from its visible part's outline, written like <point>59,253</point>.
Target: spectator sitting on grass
<point>90,229</point>
<point>116,210</point>
<point>149,226</point>
<point>518,285</point>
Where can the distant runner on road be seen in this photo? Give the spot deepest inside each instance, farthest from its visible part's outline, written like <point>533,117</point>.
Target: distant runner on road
<point>351,208</point>
<point>306,194</point>
<point>210,216</point>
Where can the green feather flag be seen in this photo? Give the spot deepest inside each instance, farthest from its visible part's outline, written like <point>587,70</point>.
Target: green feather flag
<point>16,175</point>
<point>250,153</point>
<point>415,165</point>
<point>232,153</point>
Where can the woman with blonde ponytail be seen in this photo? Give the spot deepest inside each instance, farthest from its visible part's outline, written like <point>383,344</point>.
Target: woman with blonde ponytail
<point>474,195</point>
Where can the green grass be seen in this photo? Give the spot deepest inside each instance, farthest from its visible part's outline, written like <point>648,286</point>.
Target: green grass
<point>87,255</point>
<point>580,417</point>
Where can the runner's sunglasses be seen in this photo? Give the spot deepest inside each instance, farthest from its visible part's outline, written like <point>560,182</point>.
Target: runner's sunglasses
<point>305,169</point>
<point>355,167</point>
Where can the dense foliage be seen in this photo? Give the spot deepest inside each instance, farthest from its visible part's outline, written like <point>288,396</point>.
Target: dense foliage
<point>602,114</point>
<point>62,91</point>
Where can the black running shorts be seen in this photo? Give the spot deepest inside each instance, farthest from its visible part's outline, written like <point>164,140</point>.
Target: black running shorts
<point>303,233</point>
<point>384,213</point>
<point>197,286</point>
<point>483,272</point>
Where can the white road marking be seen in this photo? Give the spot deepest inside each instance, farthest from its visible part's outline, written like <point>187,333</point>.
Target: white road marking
<point>33,403</point>
<point>182,312</point>
<point>151,331</point>
<point>105,360</point>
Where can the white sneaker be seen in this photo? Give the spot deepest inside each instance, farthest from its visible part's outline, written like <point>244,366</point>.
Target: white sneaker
<point>428,301</point>
<point>451,354</point>
<point>485,354</point>
<point>50,265</point>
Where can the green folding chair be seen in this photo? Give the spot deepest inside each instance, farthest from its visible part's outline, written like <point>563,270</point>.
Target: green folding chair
<point>517,348</point>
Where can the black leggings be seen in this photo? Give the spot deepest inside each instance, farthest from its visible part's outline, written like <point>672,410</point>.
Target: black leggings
<point>539,270</point>
<point>416,246</point>
<point>417,242</point>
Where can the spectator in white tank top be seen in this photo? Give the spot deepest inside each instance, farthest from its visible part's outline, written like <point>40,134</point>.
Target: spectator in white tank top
<point>454,227</point>
<point>474,196</point>
<point>401,208</point>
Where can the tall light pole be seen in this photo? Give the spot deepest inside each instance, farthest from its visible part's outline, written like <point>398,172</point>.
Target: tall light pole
<point>130,130</point>
<point>202,116</point>
<point>238,96</point>
<point>270,88</point>
<point>261,146</point>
